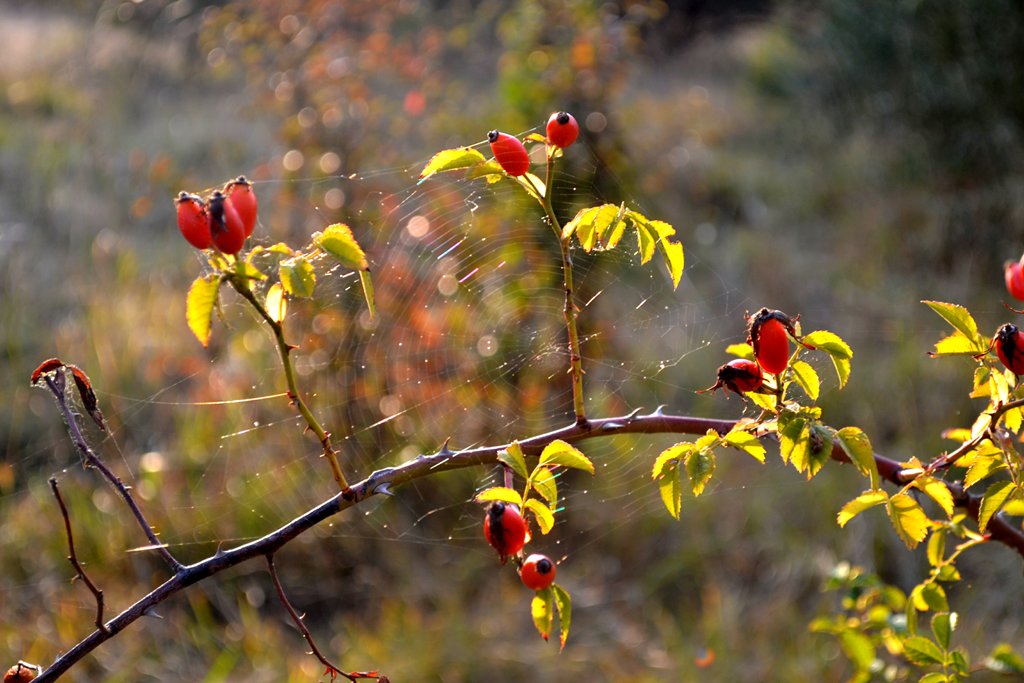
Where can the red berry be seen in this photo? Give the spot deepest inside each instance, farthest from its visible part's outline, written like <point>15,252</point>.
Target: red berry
<point>1014,272</point>
<point>241,195</point>
<point>739,375</point>
<point>505,529</point>
<point>193,221</point>
<point>562,129</point>
<point>1009,345</point>
<point>225,225</point>
<point>537,572</point>
<point>509,153</point>
<point>768,335</point>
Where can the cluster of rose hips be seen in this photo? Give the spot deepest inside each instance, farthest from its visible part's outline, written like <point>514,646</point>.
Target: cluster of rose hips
<point>768,333</point>
<point>223,220</point>
<point>510,153</point>
<point>505,530</point>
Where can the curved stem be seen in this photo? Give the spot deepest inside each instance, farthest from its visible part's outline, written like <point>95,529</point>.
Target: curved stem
<point>284,350</point>
<point>569,309</point>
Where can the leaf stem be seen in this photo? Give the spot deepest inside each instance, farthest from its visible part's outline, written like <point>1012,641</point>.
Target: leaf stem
<point>569,310</point>
<point>284,351</point>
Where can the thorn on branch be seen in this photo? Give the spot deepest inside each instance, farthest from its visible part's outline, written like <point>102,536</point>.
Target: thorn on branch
<point>73,558</point>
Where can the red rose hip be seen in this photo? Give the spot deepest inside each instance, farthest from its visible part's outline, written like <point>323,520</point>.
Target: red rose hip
<point>505,529</point>
<point>509,152</point>
<point>1009,346</point>
<point>1014,274</point>
<point>738,375</point>
<point>241,195</point>
<point>193,221</point>
<point>537,572</point>
<point>562,129</point>
<point>768,334</point>
<point>225,225</point>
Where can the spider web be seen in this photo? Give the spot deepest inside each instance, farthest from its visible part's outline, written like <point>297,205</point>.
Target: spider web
<point>469,348</point>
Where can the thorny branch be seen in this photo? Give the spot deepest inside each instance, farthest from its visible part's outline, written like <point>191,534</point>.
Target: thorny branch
<point>385,480</point>
<point>73,557</point>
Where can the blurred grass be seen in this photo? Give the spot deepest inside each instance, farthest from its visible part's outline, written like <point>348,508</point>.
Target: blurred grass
<point>776,205</point>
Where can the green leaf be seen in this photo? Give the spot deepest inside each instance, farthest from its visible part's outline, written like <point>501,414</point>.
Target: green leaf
<point>491,170</point>
<point>934,677</point>
<point>956,344</point>
<point>959,317</point>
<point>746,442</point>
<point>276,304</point>
<point>793,437</point>
<point>995,496</point>
<point>858,448</point>
<point>837,349</point>
<point>563,603</point>
<point>743,350</point>
<point>297,277</point>
<point>338,241</point>
<point>542,611</point>
<point>451,160</point>
<point>543,482</point>
<point>961,662</point>
<point>908,519</point>
<point>936,551</point>
<point>821,440</point>
<point>864,501</point>
<point>559,452</point>
<point>248,271</point>
<point>858,649</point>
<point>591,225</point>
<point>922,651</point>
<point>514,458</point>
<point>542,513</point>
<point>943,625</point>
<point>1004,660</point>
<point>199,305</point>
<point>984,466</point>
<point>669,458</point>
<point>367,282</point>
<point>763,401</point>
<point>929,596</point>
<point>700,465</point>
<point>937,491</point>
<point>501,493</point>
<point>671,490</point>
<point>807,378</point>
<point>653,234</point>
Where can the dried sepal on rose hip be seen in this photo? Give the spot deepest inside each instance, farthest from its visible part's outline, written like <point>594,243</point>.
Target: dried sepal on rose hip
<point>22,672</point>
<point>537,572</point>
<point>509,152</point>
<point>505,529</point>
<point>562,129</point>
<point>738,375</point>
<point>768,332</point>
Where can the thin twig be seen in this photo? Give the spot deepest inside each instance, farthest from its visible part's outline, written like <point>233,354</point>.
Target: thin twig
<point>569,308</point>
<point>384,480</point>
<point>73,557</point>
<point>332,668</point>
<point>91,459</point>
<point>284,350</point>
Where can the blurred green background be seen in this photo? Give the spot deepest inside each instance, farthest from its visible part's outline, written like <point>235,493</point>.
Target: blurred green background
<point>841,160</point>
